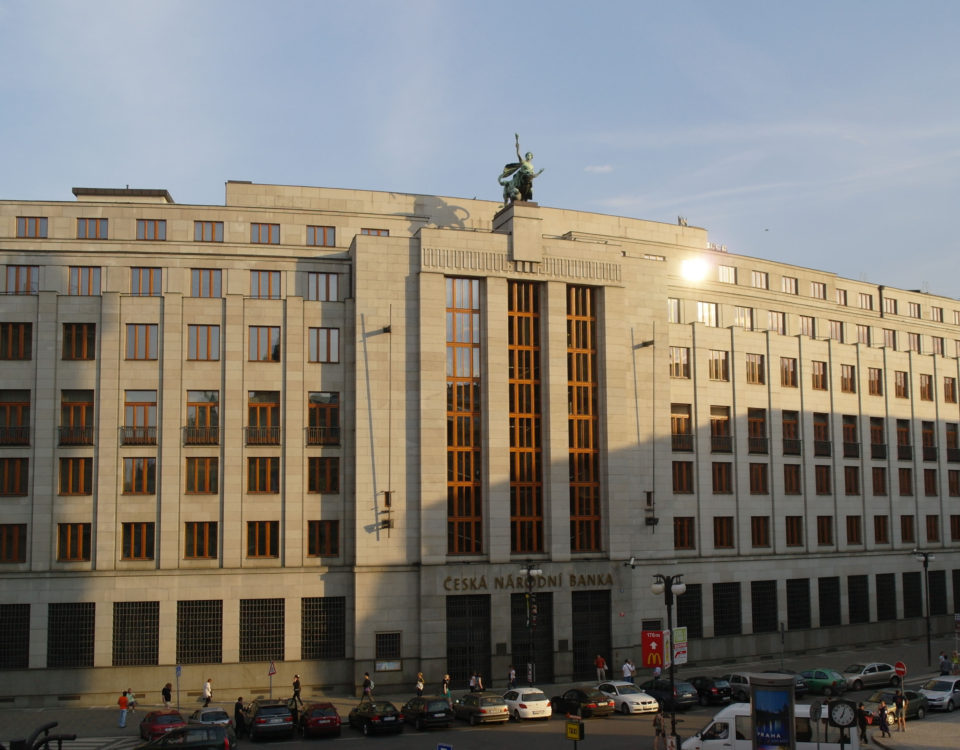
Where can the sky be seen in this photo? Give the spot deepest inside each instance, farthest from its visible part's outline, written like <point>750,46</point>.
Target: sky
<point>824,133</point>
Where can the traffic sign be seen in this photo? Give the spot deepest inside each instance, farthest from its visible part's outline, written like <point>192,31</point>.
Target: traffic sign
<point>273,669</point>
<point>900,668</point>
<point>179,670</point>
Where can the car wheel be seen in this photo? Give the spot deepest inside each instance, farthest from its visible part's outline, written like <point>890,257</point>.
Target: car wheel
<point>895,680</point>
<point>625,709</point>
<point>950,705</point>
<point>921,713</point>
<point>516,714</point>
<point>857,685</point>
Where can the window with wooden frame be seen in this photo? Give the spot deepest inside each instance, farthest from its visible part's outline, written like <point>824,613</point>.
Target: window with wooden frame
<point>760,279</point>
<point>142,341</point>
<point>145,282</point>
<point>76,475</point>
<point>718,365</point>
<point>881,529</point>
<point>91,229</point>
<point>16,341</point>
<point>318,236</point>
<point>707,313</point>
<point>854,530</point>
<point>32,227</point>
<point>323,418</point>
<point>13,542</point>
<point>808,326</point>
<point>757,431</point>
<point>789,285</point>
<point>208,231</point>
<point>323,474</point>
<point>200,540</point>
<point>263,475</point>
<point>324,344</point>
<point>720,437</point>
<point>879,481</point>
<point>760,531</point>
<point>683,477</point>
<point>264,234</point>
<point>930,486</point>
<point>79,341</point>
<point>680,362</point>
<point>681,427</point>
<point>723,532</point>
<point>842,297</point>
<point>203,343</point>
<point>875,381</point>
<point>937,345</point>
<point>263,538</point>
<point>818,290</point>
<point>824,530</point>
<point>323,287</point>
<point>206,282</point>
<point>23,279</point>
<point>14,475</point>
<point>913,342</point>
<point>263,418</point>
<point>901,385</point>
<point>851,480</point>
<point>863,334</point>
<point>848,378</point>
<point>759,482</point>
<point>138,540</point>
<point>822,443</point>
<point>793,527</point>
<point>370,232</point>
<point>265,284</point>
<point>76,417</point>
<point>139,418</point>
<point>152,229</point>
<point>905,476</point>
<point>683,536</point>
<point>743,317</point>
<point>865,300</point>
<point>323,538</point>
<point>821,476</point>
<point>14,417</point>
<point>791,432</point>
<point>836,330</point>
<point>907,530</point>
<point>791,479</point>
<point>953,482</point>
<point>926,387</point>
<point>203,475</point>
<point>264,344</point>
<point>722,477</point>
<point>139,476</point>
<point>203,418</point>
<point>84,281</point>
<point>818,371</point>
<point>777,321</point>
<point>788,372</point>
<point>949,390</point>
<point>73,542</point>
<point>955,528</point>
<point>673,310</point>
<point>727,274</point>
<point>756,369</point>
<point>933,528</point>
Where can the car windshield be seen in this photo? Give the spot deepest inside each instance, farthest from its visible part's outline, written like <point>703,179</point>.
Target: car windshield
<point>437,706</point>
<point>939,685</point>
<point>854,669</point>
<point>594,695</point>
<point>628,689</point>
<point>491,701</point>
<point>685,687</point>
<point>216,716</point>
<point>721,683</point>
<point>534,696</point>
<point>384,707</point>
<point>880,696</point>
<point>330,711</point>
<point>274,710</point>
<point>168,719</point>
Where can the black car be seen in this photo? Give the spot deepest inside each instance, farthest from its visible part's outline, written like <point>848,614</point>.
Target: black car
<point>799,684</point>
<point>268,718</point>
<point>587,702</point>
<point>711,690</point>
<point>194,737</point>
<point>428,711</point>
<point>376,717</point>
<point>684,694</point>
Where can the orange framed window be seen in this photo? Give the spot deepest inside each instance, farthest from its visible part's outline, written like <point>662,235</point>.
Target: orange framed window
<point>138,540</point>
<point>203,343</point>
<point>79,341</point>
<point>73,542</point>
<point>323,538</point>
<point>263,538</point>
<point>200,540</point>
<point>84,281</point>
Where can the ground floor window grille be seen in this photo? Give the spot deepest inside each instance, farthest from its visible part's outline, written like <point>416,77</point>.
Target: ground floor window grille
<point>763,600</point>
<point>690,611</point>
<point>858,598</point>
<point>938,592</point>
<point>886,584</point>
<point>261,629</point>
<point>798,603</point>
<point>70,631</point>
<point>136,633</point>
<point>323,627</point>
<point>200,631</point>
<point>15,643</point>
<point>727,617</point>
<point>912,594</point>
<point>829,595</point>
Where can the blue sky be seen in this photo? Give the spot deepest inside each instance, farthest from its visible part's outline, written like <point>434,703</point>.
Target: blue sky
<point>825,134</point>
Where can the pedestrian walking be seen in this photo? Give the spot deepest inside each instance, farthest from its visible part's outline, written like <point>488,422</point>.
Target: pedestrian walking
<point>123,703</point>
<point>131,700</point>
<point>883,719</point>
<point>479,682</point>
<point>473,682</point>
<point>601,664</point>
<point>445,689</point>
<point>296,690</point>
<point>862,723</point>
<point>419,685</point>
<point>238,718</point>
<point>633,671</point>
<point>367,687</point>
<point>207,692</point>
<point>900,704</point>
<point>512,677</point>
<point>166,693</point>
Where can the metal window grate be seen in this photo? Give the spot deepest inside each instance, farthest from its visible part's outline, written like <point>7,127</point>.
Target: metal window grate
<point>938,592</point>
<point>200,631</point>
<point>323,627</point>
<point>15,644</point>
<point>912,594</point>
<point>136,633</point>
<point>70,630</point>
<point>727,617</point>
<point>886,584</point>
<point>388,646</point>
<point>468,637</point>
<point>690,611</point>
<point>829,597</point>
<point>858,598</point>
<point>798,603</point>
<point>261,629</point>
<point>763,601</point>
<point>591,631</point>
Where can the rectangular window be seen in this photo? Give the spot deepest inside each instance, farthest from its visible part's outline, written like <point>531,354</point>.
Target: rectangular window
<point>851,439</point>
<point>757,431</point>
<point>139,476</point>
<point>208,231</point>
<point>756,369</point>
<point>203,343</point>
<point>73,542</point>
<point>791,479</point>
<point>375,232</point>
<point>881,529</point>
<point>808,326</point>
<point>905,475</point>
<point>323,418</point>
<point>836,330</point>
<point>851,480</point>
<point>70,634</point>
<point>79,341</point>
<point>879,481</point>
<point>759,485</point>
<point>777,321</point>
<point>818,372</point>
<point>141,341</point>
<point>32,227</point>
<point>936,345</point>
<point>788,372</point>
<point>955,528</point>
<point>323,287</point>
<point>203,475</point>
<point>913,342</point>
<point>821,475</point>
<point>14,473</point>
<point>263,417</point>
<point>136,633</point>
<point>84,281</point>
<point>848,378</point>
<point>263,475</point>
<point>890,338</point>
<point>760,279</point>
<point>854,530</point>
<point>875,381</point>
<point>722,478</point>
<point>679,362</point>
<point>91,229</point>
<point>743,317</point>
<point>261,629</point>
<point>913,309</point>
<point>323,474</point>
<point>760,531</point>
<point>14,417</point>
<point>789,285</point>
<point>907,528</point>
<point>683,477</point>
<point>933,528</point>
<point>673,310</point>
<point>794,530</point>
<point>866,301</point>
<point>926,387</point>
<point>323,627</point>
<point>707,313</point>
<point>263,538</point>
<point>818,290</point>
<point>324,345</point>
<point>265,234</point>
<point>205,282</point>
<point>23,279</point>
<point>140,418</point>
<point>199,631</point>
<point>264,344</point>
<point>151,229</point>
<point>76,476</point>
<point>824,530</point>
<point>718,365</point>
<point>137,541</point>
<point>863,334</point>
<point>16,341</point>
<point>318,236</point>
<point>76,417</point>
<point>13,549</point>
<point>723,532</point>
<point>265,284</point>
<point>901,386</point>
<point>842,297</point>
<point>203,418</point>
<point>953,482</point>
<point>200,540</point>
<point>727,274</point>
<point>323,538</point>
<point>890,305</point>
<point>720,440</point>
<point>683,537</point>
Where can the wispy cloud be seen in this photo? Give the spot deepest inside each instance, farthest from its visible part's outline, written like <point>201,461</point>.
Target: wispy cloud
<point>599,168</point>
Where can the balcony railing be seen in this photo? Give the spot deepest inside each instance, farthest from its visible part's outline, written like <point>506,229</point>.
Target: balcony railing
<point>263,435</point>
<point>953,455</point>
<point>682,442</point>
<point>201,435</point>
<point>792,447</point>
<point>138,436</point>
<point>758,445</point>
<point>878,450</point>
<point>721,444</point>
<point>326,436</point>
<point>929,453</point>
<point>76,435</point>
<point>822,447</point>
<point>905,452</point>
<point>851,450</point>
<point>19,435</point>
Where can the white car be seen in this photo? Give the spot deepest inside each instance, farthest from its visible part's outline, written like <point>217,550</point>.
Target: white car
<point>943,692</point>
<point>628,698</point>
<point>528,703</point>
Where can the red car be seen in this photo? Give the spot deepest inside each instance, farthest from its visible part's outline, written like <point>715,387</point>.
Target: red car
<point>158,723</point>
<point>319,719</point>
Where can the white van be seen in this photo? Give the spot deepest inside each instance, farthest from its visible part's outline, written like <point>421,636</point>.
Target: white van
<point>732,729</point>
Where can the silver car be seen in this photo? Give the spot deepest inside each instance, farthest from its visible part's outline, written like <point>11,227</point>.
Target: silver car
<point>875,674</point>
<point>628,698</point>
<point>942,692</point>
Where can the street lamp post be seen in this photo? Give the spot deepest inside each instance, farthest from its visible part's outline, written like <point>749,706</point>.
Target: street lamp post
<point>670,586</point>
<point>925,558</point>
<point>531,571</point>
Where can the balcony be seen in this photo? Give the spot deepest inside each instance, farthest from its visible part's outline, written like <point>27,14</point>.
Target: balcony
<point>905,452</point>
<point>851,450</point>
<point>878,450</point>
<point>758,445</point>
<point>792,447</point>
<point>953,455</point>
<point>929,453</point>
<point>19,435</point>
<point>76,435</point>
<point>682,442</point>
<point>822,448</point>
<point>721,444</point>
<point>138,436</point>
<point>331,436</point>
<point>262,435</point>
<point>201,435</point>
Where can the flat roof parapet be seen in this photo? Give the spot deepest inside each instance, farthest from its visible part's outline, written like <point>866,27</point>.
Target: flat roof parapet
<point>123,195</point>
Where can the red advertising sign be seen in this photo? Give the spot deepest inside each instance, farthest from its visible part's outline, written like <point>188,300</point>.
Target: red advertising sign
<point>652,654</point>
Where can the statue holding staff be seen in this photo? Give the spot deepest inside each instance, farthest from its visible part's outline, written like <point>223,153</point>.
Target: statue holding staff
<point>517,177</point>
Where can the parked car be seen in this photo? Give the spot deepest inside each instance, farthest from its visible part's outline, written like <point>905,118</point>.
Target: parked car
<point>711,690</point>
<point>917,704</point>
<point>943,692</point>
<point>628,698</point>
<point>825,681</point>
<point>194,737</point>
<point>528,703</point>
<point>268,718</point>
<point>875,674</point>
<point>739,686</point>
<point>684,694</point>
<point>481,708</point>
<point>588,702</point>
<point>319,720</point>
<point>376,717</point>
<point>158,723</point>
<point>210,715</point>
<point>799,685</point>
<point>428,711</point>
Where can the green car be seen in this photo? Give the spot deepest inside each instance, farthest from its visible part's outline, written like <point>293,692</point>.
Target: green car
<point>824,681</point>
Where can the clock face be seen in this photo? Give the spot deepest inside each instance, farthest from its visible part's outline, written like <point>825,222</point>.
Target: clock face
<point>842,713</point>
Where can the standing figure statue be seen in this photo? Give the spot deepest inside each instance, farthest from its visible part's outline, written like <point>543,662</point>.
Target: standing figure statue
<point>517,177</point>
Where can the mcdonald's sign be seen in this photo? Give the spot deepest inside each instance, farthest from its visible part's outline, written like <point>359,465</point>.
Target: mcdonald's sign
<point>652,654</point>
